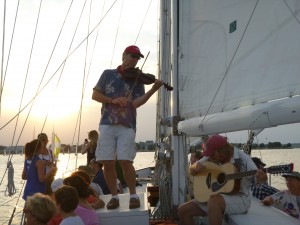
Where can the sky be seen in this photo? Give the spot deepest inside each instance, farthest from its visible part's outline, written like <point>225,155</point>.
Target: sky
<point>67,87</point>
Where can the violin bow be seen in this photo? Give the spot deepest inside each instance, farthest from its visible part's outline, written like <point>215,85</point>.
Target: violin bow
<point>137,78</point>
<point>145,60</point>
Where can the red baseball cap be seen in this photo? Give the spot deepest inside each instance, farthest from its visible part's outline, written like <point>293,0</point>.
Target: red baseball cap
<point>213,143</point>
<point>132,49</point>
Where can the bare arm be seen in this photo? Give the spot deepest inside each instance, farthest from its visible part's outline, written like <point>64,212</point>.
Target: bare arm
<point>24,175</point>
<point>196,167</point>
<point>98,204</point>
<point>143,99</point>
<point>43,176</point>
<point>100,97</point>
<point>261,177</point>
<point>85,148</point>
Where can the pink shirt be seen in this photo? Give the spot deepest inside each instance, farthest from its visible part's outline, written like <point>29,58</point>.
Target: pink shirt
<point>88,216</point>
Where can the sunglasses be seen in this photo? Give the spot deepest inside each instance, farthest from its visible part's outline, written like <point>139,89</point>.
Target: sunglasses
<point>135,56</point>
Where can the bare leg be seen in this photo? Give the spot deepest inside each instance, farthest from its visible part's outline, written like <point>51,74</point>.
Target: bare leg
<point>216,208</point>
<point>187,211</point>
<point>129,175</point>
<point>110,175</point>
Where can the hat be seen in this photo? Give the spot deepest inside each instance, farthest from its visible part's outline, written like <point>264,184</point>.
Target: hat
<point>258,162</point>
<point>57,183</point>
<point>213,143</point>
<point>133,50</point>
<point>42,136</point>
<point>86,169</point>
<point>293,174</point>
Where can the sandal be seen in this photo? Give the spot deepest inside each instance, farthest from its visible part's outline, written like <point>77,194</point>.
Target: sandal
<point>113,203</point>
<point>134,203</point>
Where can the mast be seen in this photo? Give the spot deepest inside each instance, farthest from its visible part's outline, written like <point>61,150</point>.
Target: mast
<point>171,144</point>
<point>178,141</point>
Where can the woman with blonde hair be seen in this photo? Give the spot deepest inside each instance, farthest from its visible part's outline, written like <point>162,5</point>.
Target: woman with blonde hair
<point>39,209</point>
<point>90,146</point>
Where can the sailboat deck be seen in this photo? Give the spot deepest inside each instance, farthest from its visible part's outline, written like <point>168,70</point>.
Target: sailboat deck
<point>123,215</point>
<point>259,214</point>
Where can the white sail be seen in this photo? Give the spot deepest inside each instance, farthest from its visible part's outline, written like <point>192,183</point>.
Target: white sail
<point>235,58</point>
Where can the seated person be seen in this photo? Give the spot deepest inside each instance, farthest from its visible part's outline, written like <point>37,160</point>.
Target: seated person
<point>261,190</point>
<point>99,175</point>
<point>84,209</point>
<point>67,200</point>
<point>93,199</point>
<point>288,200</point>
<point>99,178</point>
<point>39,209</point>
<point>96,187</point>
<point>56,184</point>
<point>219,151</point>
<point>195,156</point>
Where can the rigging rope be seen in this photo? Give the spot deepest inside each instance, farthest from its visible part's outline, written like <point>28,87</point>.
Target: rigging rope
<point>2,58</point>
<point>9,50</point>
<point>229,66</point>
<point>143,22</point>
<point>162,177</point>
<point>116,34</point>
<point>62,64</point>
<point>11,187</point>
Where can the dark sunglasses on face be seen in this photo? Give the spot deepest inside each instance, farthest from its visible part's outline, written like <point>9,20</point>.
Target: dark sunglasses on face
<point>135,56</point>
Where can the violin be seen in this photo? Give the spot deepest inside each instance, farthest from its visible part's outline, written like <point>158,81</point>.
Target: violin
<point>144,78</point>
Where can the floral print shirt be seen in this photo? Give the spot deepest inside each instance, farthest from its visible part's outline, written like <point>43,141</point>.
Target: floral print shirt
<point>112,85</point>
<point>287,203</point>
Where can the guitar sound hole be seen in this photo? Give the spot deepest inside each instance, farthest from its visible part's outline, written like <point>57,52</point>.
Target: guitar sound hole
<point>221,178</point>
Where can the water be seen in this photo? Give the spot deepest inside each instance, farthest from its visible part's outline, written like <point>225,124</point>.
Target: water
<point>67,163</point>
<point>279,157</point>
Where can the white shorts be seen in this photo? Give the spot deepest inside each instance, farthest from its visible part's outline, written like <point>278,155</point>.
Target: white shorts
<point>235,204</point>
<point>116,141</point>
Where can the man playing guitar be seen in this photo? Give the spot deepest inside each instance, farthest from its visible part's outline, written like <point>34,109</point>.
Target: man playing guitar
<point>220,152</point>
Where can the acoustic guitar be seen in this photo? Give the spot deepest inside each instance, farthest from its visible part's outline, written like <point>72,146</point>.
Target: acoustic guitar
<point>222,178</point>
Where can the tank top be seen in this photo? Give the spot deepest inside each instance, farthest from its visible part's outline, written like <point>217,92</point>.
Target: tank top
<point>33,185</point>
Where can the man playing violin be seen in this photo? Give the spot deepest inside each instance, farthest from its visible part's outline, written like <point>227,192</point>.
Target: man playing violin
<point>120,97</point>
<point>219,151</point>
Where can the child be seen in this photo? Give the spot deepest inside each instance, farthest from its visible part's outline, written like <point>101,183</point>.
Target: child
<point>56,184</point>
<point>84,209</point>
<point>288,200</point>
<point>93,199</point>
<point>67,200</point>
